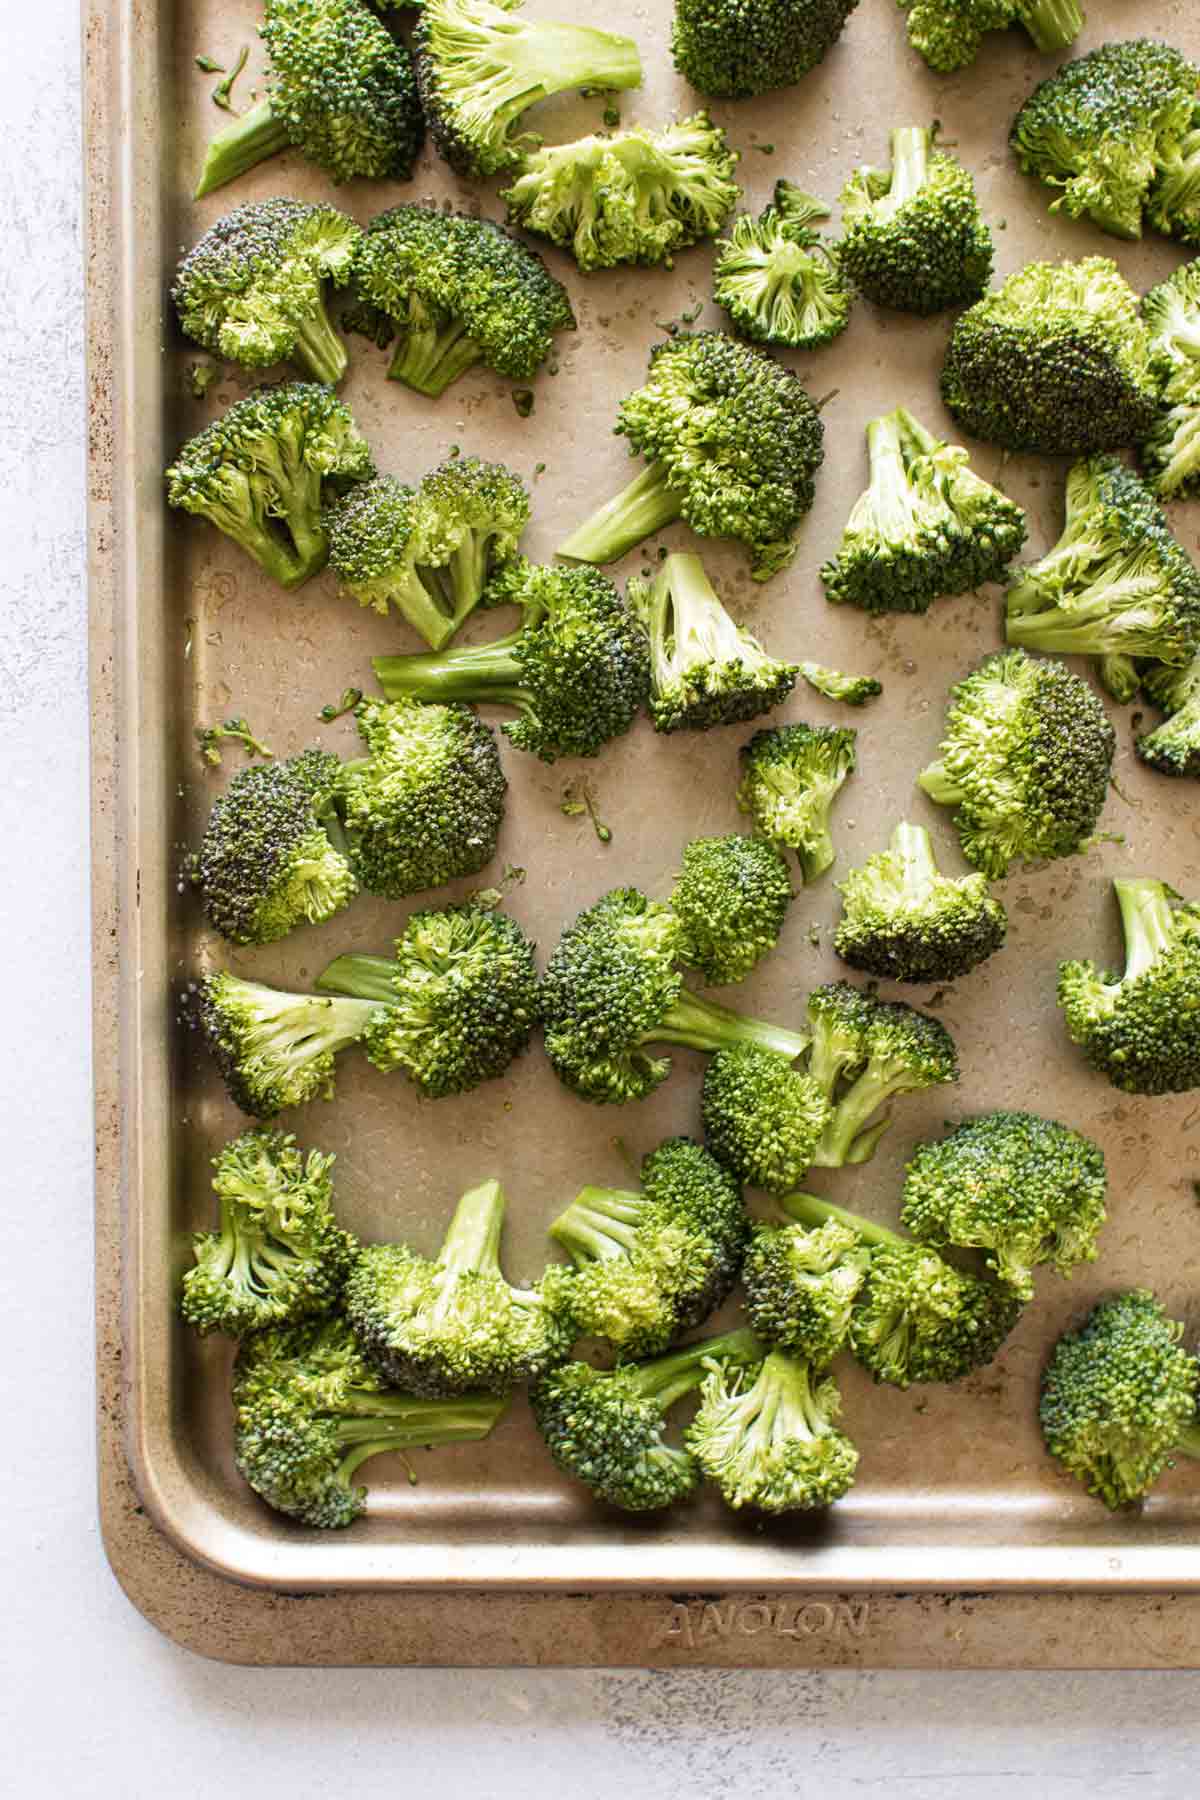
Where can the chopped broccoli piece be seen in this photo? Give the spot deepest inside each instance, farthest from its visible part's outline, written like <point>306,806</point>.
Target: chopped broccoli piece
<point>731,897</point>
<point>733,444</point>
<point>233,731</point>
<point>1170,454</point>
<point>1141,1028</point>
<point>801,1286</point>
<point>734,49</point>
<point>765,1435</point>
<point>763,1118</point>
<point>904,920</point>
<point>913,234</point>
<point>849,690</point>
<point>704,669</point>
<point>276,1049</point>
<point>776,280</point>
<point>1025,759</point>
<point>791,776</point>
<point>949,33</point>
<point>864,1052</point>
<point>1173,747</point>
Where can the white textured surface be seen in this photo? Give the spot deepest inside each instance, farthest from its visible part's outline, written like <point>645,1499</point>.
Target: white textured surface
<point>92,1701</point>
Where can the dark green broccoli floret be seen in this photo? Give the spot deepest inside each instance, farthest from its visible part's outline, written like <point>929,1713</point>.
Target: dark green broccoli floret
<point>927,525</point>
<point>733,443</point>
<point>1025,759</point>
<point>848,690</point>
<point>1170,454</point>
<point>252,289</point>
<point>276,1049</point>
<point>339,88</point>
<point>605,1427</point>
<point>863,1053</point>
<point>948,33</point>
<point>765,1435</point>
<point>266,862</point>
<point>428,551</point>
<point>734,49</point>
<point>801,1286</point>
<point>259,473</point>
<point>1056,360</point>
<point>704,669</point>
<point>1119,1398</point>
<point>577,669</point>
<point>763,1118</point>
<point>776,280</point>
<point>1141,1028</point>
<point>731,897</point>
<point>903,919</point>
<point>480,68</point>
<point>1173,748</point>
<point>916,1318</point>
<point>426,803</point>
<point>650,1265</point>
<point>612,987</point>
<point>634,197</point>
<point>458,291</point>
<point>280,1253</point>
<point>913,235</point>
<point>308,1412</point>
<point>791,776</point>
<point>442,1325</point>
<point>1025,1190</point>
<point>454,1005</point>
<point>1117,131</point>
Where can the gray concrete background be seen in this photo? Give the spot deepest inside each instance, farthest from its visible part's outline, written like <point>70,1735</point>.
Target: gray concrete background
<point>92,1701</point>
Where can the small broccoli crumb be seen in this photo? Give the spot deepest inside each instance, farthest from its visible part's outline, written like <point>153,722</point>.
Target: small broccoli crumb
<point>222,94</point>
<point>523,400</point>
<point>200,377</point>
<point>335,708</point>
<point>210,737</point>
<point>210,65</point>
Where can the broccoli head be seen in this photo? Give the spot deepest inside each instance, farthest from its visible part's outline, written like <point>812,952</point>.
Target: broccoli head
<point>734,49</point>
<point>733,444</point>
<point>731,897</point>
<point>630,197</point>
<point>308,1412</point>
<point>847,690</point>
<point>864,1053</point>
<point>1141,1028</point>
<point>279,1254</point>
<point>480,68</point>
<point>259,473</point>
<point>927,525</point>
<point>949,33</point>
<point>904,920</point>
<point>1025,759</point>
<point>577,669</point>
<point>649,1265</point>
<point>766,1436</point>
<point>1170,454</point>
<point>275,1049</point>
<point>605,1427</point>
<point>704,669</point>
<point>801,1286</point>
<point>791,776</point>
<point>1173,747</point>
<point>914,237</point>
<point>763,1118</point>
<point>1023,1189</point>
<point>776,280</point>
<point>1057,360</point>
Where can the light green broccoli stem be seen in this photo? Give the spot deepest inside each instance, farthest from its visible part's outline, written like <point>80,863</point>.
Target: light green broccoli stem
<point>533,60</point>
<point>1147,922</point>
<point>400,1422</point>
<point>940,785</point>
<point>600,1225</point>
<point>913,851</point>
<point>482,672</point>
<point>807,1210</point>
<point>703,1025</point>
<point>910,166</point>
<point>430,358</point>
<point>472,1241</point>
<point>242,145</point>
<point>1189,1443</point>
<point>1052,24</point>
<point>1119,676</point>
<point>1178,186</point>
<point>647,505</point>
<point>668,1378</point>
<point>847,1137</point>
<point>698,628</point>
<point>891,490</point>
<point>319,350</point>
<point>362,978</point>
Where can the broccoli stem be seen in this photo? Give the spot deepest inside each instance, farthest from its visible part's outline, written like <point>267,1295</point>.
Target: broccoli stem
<point>319,350</point>
<point>918,871</point>
<point>939,784</point>
<point>1189,1443</point>
<point>910,166</point>
<point>432,358</point>
<point>1119,677</point>
<point>1178,186</point>
<point>482,672</point>
<point>600,1225</point>
<point>891,490</point>
<point>1052,24</point>
<point>645,506</point>
<point>703,1025</point>
<point>472,1240</point>
<point>400,1422</point>
<point>846,1138</point>
<point>242,145</point>
<point>535,59</point>
<point>276,558</point>
<point>807,1210</point>
<point>1147,922</point>
<point>361,977</point>
<point>667,1378</point>
<point>689,625</point>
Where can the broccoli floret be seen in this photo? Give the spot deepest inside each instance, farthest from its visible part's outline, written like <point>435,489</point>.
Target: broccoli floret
<point>480,68</point>
<point>458,291</point>
<point>949,33</point>
<point>914,237</point>
<point>848,690</point>
<point>733,443</point>
<point>863,1053</point>
<point>577,669</point>
<point>704,669</point>
<point>1119,1398</point>
<point>252,289</point>
<point>1116,131</point>
<point>1057,360</point>
<point>731,897</point>
<point>801,1286</point>
<point>280,1254</point>
<point>916,1318</point>
<point>339,88</point>
<point>765,1435</point>
<point>791,776</point>
<point>605,1427</point>
<point>308,1412</point>
<point>259,474</point>
<point>266,862</point>
<point>1173,748</point>
<point>1170,454</point>
<point>426,803</point>
<point>776,280</point>
<point>1025,759</point>
<point>455,1004</point>
<point>1025,1190</point>
<point>428,551</point>
<point>276,1049</point>
<point>927,525</point>
<point>733,49</point>
<point>443,1325</point>
<point>1116,585</point>
<point>612,987</point>
<point>904,920</point>
<point>763,1118</point>
<point>635,197</point>
<point>1141,1028</point>
<point>652,1264</point>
